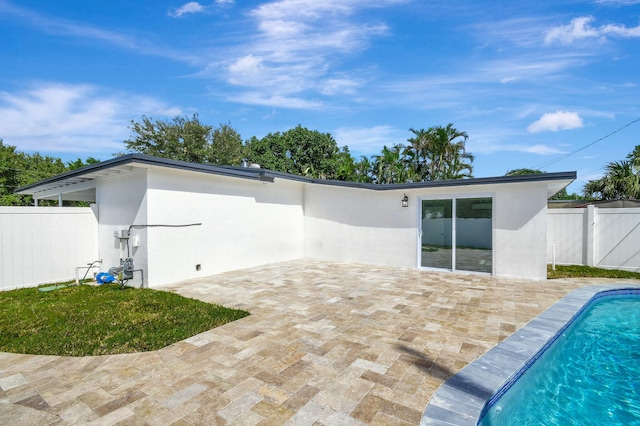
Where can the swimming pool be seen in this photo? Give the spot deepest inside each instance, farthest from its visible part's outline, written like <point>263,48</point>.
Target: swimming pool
<point>466,396</point>
<point>589,375</point>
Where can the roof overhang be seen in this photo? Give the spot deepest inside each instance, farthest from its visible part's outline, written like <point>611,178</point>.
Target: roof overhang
<point>80,184</point>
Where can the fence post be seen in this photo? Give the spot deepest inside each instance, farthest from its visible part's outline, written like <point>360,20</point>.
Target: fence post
<point>590,242</point>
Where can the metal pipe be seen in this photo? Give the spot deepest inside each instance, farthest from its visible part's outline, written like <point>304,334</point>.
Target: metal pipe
<point>88,266</point>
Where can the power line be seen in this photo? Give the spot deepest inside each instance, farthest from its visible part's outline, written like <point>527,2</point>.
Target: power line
<point>562,157</point>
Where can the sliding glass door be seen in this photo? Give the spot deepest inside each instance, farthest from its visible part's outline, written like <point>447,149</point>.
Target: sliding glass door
<point>436,234</point>
<point>457,234</point>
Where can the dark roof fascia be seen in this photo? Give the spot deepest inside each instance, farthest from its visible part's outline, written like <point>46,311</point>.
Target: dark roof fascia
<point>254,174</point>
<point>428,184</point>
<point>545,177</point>
<point>269,175</point>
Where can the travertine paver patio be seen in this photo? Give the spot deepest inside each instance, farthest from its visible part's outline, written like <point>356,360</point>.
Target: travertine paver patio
<point>332,344</point>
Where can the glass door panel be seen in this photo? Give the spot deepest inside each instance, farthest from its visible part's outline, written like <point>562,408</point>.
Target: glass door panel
<point>436,234</point>
<point>474,245</point>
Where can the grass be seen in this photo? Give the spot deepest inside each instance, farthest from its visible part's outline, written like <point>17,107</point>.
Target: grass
<point>573,271</point>
<point>100,320</point>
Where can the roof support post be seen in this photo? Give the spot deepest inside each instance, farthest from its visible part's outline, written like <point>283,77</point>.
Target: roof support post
<point>59,200</point>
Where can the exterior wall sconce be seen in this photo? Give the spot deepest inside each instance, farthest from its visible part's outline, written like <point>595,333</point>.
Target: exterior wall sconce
<point>405,201</point>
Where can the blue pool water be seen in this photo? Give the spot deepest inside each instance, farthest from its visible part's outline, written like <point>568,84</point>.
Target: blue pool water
<point>589,376</point>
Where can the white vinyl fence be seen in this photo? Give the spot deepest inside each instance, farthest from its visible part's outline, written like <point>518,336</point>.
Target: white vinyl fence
<point>606,238</point>
<point>45,244</point>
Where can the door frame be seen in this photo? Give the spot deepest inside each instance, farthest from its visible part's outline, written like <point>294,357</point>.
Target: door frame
<point>453,198</point>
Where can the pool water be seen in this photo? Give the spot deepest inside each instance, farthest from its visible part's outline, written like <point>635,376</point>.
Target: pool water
<point>589,376</point>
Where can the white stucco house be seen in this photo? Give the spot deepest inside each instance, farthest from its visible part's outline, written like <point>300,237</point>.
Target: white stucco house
<point>180,220</point>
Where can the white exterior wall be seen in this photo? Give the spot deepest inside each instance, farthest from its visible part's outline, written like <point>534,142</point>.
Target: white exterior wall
<point>45,244</point>
<point>520,230</point>
<point>355,225</point>
<point>358,225</point>
<point>245,223</point>
<point>122,202</point>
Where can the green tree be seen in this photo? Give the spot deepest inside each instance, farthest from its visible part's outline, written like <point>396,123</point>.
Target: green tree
<point>226,146</point>
<point>390,166</point>
<point>438,153</point>
<point>363,170</point>
<point>77,164</point>
<point>560,195</point>
<point>516,172</point>
<point>620,181</point>
<point>346,166</point>
<point>186,139</point>
<point>301,151</point>
<point>12,167</point>
<point>19,169</point>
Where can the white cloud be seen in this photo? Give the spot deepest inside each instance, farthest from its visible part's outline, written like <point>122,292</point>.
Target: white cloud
<point>621,30</point>
<point>559,120</point>
<point>297,44</point>
<point>492,144</point>
<point>256,98</point>
<point>335,86</point>
<point>580,28</point>
<point>187,8</point>
<point>539,149</point>
<point>369,140</point>
<point>65,118</point>
<point>529,67</point>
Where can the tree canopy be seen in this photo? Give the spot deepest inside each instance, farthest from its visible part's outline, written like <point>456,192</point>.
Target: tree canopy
<point>434,154</point>
<point>620,181</point>
<point>19,169</point>
<point>303,152</point>
<point>438,153</point>
<point>560,195</point>
<point>186,139</point>
<point>518,172</point>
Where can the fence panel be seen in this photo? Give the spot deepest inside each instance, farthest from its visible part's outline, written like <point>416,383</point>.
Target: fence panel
<point>565,230</point>
<point>618,238</point>
<point>607,238</point>
<point>45,244</point>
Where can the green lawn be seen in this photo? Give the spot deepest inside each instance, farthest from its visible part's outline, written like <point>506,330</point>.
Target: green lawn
<point>99,320</point>
<point>572,271</point>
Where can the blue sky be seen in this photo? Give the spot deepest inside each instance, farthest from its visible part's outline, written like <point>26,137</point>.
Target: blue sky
<point>530,82</point>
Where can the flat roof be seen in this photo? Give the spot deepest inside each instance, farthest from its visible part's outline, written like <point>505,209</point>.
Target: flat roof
<point>80,184</point>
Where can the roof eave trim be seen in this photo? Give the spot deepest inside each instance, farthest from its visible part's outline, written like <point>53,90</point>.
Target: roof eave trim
<point>269,175</point>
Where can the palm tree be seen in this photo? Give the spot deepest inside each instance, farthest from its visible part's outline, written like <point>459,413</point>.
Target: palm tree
<point>621,180</point>
<point>363,170</point>
<point>457,168</point>
<point>417,154</point>
<point>390,166</point>
<point>439,153</point>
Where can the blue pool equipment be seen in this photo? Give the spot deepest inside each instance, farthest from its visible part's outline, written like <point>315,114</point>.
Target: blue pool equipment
<point>104,277</point>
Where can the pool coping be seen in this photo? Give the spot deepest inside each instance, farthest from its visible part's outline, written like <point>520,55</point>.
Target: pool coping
<point>461,400</point>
